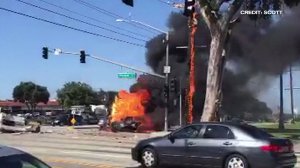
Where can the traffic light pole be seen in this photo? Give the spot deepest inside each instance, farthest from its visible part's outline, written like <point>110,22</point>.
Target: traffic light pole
<point>167,68</point>
<point>180,103</point>
<point>167,71</point>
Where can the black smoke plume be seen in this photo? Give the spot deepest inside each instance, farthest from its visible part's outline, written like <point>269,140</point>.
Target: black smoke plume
<point>258,50</point>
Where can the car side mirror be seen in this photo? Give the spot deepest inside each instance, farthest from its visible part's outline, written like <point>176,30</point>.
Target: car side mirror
<point>171,137</point>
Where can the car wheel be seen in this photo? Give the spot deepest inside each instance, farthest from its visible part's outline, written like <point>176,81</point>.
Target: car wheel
<point>149,158</point>
<point>236,161</point>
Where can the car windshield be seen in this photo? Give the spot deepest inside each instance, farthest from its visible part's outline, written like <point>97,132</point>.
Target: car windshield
<point>21,161</point>
<point>255,132</point>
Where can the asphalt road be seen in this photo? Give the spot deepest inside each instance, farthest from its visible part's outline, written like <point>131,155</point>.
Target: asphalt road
<point>62,147</point>
<point>65,148</point>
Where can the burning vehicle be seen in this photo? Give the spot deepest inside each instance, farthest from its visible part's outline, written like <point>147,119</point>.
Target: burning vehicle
<point>12,123</point>
<point>128,112</point>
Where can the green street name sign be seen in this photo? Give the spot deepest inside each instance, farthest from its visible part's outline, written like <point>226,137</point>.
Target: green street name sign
<point>127,75</point>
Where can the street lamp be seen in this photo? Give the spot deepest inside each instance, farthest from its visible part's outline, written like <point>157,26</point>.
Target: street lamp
<point>167,68</point>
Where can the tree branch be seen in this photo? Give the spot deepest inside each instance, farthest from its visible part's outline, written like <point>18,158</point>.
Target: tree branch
<point>218,4</point>
<point>232,9</point>
<point>208,13</point>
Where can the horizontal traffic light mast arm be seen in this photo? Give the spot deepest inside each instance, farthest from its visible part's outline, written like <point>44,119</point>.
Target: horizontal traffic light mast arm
<point>125,66</point>
<point>116,63</point>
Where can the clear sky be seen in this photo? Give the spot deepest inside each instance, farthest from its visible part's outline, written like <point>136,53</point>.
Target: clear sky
<point>22,40</point>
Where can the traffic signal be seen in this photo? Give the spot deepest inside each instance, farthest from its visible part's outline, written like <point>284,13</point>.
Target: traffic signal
<point>173,85</point>
<point>45,52</point>
<point>166,91</point>
<point>82,56</point>
<point>189,8</point>
<point>128,2</point>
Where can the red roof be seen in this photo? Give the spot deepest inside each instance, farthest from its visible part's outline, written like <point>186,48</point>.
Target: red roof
<point>10,103</point>
<point>50,103</point>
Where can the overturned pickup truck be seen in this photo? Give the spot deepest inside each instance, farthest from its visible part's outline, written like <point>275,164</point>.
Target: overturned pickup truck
<point>140,124</point>
<point>129,124</point>
<point>11,123</point>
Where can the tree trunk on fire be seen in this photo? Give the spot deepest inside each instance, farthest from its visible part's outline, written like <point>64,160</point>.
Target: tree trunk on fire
<point>214,78</point>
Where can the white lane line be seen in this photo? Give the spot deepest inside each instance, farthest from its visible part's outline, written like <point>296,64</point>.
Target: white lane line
<point>71,146</point>
<point>74,153</point>
<point>96,154</point>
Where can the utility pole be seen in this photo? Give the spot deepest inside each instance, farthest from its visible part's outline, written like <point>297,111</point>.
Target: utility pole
<point>167,68</point>
<point>292,94</point>
<point>281,114</point>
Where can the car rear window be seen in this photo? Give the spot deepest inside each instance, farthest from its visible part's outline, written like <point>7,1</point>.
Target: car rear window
<point>21,161</point>
<point>255,132</point>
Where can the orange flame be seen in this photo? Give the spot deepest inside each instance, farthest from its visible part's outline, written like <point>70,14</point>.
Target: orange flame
<point>131,105</point>
<point>192,71</point>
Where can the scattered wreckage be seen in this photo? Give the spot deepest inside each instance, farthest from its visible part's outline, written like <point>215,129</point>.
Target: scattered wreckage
<point>12,123</point>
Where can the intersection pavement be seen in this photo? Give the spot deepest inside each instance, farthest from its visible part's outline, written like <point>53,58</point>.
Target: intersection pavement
<point>66,148</point>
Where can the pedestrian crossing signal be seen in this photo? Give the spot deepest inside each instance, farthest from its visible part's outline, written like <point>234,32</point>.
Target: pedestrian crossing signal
<point>128,2</point>
<point>189,8</point>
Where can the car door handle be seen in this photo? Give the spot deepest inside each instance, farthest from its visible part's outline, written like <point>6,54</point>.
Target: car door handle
<point>191,143</point>
<point>227,143</point>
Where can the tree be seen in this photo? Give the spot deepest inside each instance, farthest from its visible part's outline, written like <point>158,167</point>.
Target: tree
<point>30,94</point>
<point>220,16</point>
<point>77,93</point>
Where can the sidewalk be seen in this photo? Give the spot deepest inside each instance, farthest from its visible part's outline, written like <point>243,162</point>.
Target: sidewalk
<point>297,147</point>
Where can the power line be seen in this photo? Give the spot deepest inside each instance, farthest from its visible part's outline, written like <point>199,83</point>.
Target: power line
<point>170,3</point>
<point>78,20</point>
<point>94,19</point>
<point>165,2</point>
<point>70,27</point>
<point>111,14</point>
<point>106,12</point>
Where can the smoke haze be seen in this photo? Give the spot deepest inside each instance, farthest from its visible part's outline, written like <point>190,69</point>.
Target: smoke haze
<point>258,52</point>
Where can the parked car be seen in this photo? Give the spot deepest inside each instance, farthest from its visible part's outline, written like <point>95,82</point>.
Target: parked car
<point>224,145</point>
<point>61,120</point>
<point>89,119</point>
<point>14,158</point>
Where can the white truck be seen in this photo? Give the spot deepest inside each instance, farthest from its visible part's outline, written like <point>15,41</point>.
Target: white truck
<point>12,123</point>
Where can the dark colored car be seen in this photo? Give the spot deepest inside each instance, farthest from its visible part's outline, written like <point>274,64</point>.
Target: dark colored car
<point>61,120</point>
<point>89,119</point>
<point>224,145</point>
<point>14,158</point>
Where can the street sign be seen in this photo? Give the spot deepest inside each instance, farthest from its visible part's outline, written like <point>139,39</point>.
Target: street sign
<point>167,69</point>
<point>73,121</point>
<point>127,75</point>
